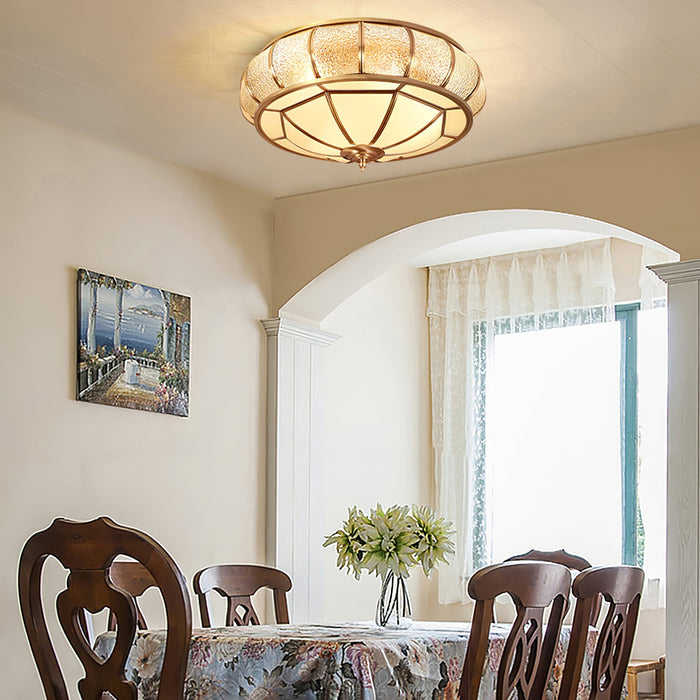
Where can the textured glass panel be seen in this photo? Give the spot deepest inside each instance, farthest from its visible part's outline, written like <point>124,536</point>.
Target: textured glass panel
<point>316,118</point>
<point>407,118</point>
<point>434,98</point>
<point>294,97</point>
<point>304,141</point>
<point>336,49</point>
<point>291,60</point>
<point>386,49</point>
<point>361,85</point>
<point>248,104</point>
<point>432,59</point>
<point>288,145</point>
<point>464,76</point>
<point>259,77</point>
<point>476,101</point>
<point>424,139</point>
<point>455,122</point>
<point>271,124</point>
<point>361,115</point>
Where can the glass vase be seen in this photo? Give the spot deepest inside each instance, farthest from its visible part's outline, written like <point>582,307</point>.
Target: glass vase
<point>393,606</point>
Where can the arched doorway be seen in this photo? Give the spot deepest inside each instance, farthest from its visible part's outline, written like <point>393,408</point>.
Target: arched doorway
<point>302,318</point>
<point>515,228</point>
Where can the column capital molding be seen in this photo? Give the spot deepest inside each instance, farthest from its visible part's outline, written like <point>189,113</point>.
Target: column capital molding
<point>284,327</point>
<point>677,272</point>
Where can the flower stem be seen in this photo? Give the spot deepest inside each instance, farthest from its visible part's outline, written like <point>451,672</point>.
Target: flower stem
<point>394,606</point>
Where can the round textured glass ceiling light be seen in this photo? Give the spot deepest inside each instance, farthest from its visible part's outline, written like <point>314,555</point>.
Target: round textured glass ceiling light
<point>362,90</point>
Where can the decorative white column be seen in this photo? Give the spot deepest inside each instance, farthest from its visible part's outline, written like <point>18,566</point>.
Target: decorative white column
<point>294,488</point>
<point>683,524</point>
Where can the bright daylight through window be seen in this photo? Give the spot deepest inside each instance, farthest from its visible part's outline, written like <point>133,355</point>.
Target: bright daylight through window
<point>564,401</point>
<point>548,382</point>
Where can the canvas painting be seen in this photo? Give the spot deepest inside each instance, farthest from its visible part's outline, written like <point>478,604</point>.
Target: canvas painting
<point>133,344</point>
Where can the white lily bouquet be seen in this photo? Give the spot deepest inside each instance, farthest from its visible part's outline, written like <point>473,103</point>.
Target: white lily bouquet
<point>389,543</point>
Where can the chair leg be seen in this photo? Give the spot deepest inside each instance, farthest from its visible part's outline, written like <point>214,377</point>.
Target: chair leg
<point>660,682</point>
<point>632,687</point>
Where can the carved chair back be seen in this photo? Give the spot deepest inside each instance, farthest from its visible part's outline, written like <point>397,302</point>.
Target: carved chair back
<point>238,583</point>
<point>87,550</point>
<point>134,578</point>
<point>534,587</point>
<point>561,556</point>
<point>558,556</point>
<point>621,587</point>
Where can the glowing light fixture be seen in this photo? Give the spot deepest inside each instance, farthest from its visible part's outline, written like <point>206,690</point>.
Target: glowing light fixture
<point>362,90</point>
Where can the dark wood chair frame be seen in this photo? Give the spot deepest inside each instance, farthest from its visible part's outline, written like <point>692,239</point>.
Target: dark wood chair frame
<point>134,578</point>
<point>558,556</point>
<point>87,550</point>
<point>238,583</point>
<point>525,665</point>
<point>621,587</point>
<point>561,556</point>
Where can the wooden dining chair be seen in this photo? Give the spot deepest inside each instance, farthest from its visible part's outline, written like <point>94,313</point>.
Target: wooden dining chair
<point>621,587</point>
<point>238,583</point>
<point>558,556</point>
<point>87,550</point>
<point>525,664</point>
<point>134,578</point>
<point>561,556</point>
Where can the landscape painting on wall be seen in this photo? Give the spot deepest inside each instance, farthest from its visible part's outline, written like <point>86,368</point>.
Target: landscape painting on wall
<point>133,345</point>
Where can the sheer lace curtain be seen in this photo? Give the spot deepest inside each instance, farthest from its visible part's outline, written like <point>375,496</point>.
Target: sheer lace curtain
<point>468,303</point>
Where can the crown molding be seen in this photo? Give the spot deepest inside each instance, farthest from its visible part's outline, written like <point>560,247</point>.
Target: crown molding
<point>287,328</point>
<point>676,272</point>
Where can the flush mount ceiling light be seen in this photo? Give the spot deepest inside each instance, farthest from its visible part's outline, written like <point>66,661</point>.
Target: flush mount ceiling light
<point>362,90</point>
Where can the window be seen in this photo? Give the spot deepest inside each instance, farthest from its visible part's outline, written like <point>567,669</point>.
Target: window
<point>565,417</point>
<point>548,407</point>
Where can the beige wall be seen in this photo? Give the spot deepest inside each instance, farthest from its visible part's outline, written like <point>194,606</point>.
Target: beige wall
<point>376,422</point>
<point>196,484</point>
<point>648,185</point>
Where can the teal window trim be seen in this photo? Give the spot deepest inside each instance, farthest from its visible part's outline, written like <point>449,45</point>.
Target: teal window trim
<point>632,544</point>
<point>632,526</point>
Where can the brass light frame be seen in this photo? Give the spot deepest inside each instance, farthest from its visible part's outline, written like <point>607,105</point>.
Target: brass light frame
<point>276,88</point>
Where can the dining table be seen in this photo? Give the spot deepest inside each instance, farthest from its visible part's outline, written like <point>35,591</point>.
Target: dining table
<point>348,661</point>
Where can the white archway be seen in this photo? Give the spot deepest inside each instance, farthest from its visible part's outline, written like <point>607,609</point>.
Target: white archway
<point>320,296</point>
<point>294,341</point>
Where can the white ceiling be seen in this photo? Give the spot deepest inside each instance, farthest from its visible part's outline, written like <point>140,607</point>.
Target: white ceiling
<point>161,76</point>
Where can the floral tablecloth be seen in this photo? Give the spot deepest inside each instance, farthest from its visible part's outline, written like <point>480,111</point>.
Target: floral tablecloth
<point>328,662</point>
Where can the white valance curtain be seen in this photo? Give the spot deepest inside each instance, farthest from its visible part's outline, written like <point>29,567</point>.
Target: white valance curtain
<point>534,282</point>
<point>468,303</point>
